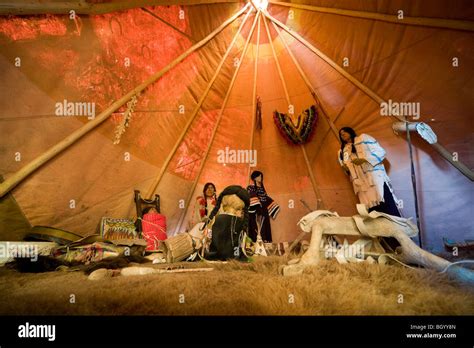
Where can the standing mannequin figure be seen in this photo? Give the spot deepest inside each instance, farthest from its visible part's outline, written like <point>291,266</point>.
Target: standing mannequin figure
<point>261,207</point>
<point>361,158</point>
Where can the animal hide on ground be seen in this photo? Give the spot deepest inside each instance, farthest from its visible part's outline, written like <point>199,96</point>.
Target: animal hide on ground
<point>50,264</point>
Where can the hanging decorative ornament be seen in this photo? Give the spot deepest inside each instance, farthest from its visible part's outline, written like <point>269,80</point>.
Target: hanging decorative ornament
<point>258,114</point>
<point>300,133</point>
<point>127,117</point>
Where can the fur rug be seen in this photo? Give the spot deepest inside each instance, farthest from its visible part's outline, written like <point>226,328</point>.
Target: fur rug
<point>238,288</point>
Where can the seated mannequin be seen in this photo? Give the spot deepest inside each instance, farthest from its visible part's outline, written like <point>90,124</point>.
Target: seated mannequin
<point>229,227</point>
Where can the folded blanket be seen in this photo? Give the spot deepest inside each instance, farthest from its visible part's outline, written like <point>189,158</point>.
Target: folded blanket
<point>365,215</point>
<point>307,221</point>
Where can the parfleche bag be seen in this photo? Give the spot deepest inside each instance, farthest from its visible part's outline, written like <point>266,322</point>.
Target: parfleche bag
<point>113,229</point>
<point>95,248</point>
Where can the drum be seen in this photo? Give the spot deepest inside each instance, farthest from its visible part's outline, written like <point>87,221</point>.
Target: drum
<point>178,248</point>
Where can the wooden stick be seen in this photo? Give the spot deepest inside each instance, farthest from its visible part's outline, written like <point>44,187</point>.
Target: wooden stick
<point>328,60</point>
<point>196,110</point>
<point>280,72</point>
<point>184,270</point>
<point>318,101</point>
<point>214,131</point>
<point>417,21</point>
<point>374,96</point>
<point>399,127</point>
<point>319,199</point>
<point>16,178</point>
<point>312,90</point>
<point>296,241</point>
<point>321,106</point>
<point>35,7</point>
<point>320,203</point>
<point>448,156</point>
<point>254,95</point>
<point>140,270</point>
<point>168,24</point>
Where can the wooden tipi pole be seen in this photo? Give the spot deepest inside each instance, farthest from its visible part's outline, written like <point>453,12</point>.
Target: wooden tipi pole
<point>320,202</point>
<point>168,24</point>
<point>89,7</point>
<point>328,60</point>
<point>219,118</point>
<point>20,175</point>
<point>254,96</point>
<point>454,24</point>
<point>312,90</point>
<point>196,110</point>
<point>373,95</point>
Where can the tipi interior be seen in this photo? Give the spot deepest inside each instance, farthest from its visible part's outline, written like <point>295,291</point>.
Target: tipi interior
<point>172,85</point>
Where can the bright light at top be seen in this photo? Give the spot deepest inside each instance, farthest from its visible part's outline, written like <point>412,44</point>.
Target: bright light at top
<point>261,4</point>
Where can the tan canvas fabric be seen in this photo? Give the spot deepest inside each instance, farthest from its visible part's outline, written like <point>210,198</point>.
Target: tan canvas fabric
<point>402,63</point>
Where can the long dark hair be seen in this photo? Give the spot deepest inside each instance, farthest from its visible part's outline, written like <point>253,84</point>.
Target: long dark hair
<point>255,174</point>
<point>343,144</point>
<point>204,193</point>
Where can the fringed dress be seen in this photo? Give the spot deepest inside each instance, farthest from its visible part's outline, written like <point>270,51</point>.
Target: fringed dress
<point>370,180</point>
<point>262,206</point>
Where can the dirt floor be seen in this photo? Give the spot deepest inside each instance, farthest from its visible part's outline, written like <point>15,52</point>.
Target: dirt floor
<point>239,289</point>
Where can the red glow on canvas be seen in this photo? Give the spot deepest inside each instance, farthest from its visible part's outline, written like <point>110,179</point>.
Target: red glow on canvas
<point>192,149</point>
<point>21,28</point>
<point>125,49</point>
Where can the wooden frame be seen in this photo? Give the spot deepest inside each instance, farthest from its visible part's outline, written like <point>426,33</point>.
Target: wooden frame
<point>444,23</point>
<point>141,203</point>
<point>36,7</point>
